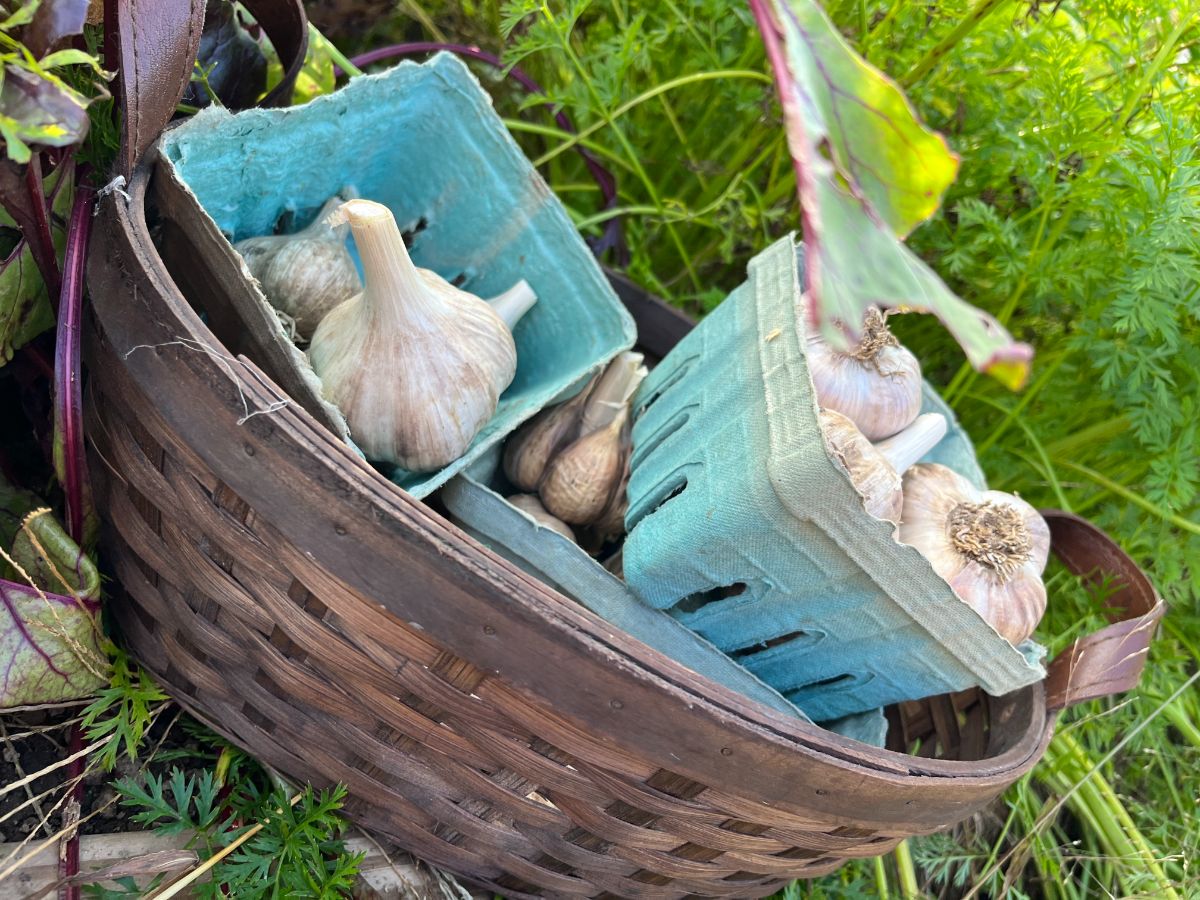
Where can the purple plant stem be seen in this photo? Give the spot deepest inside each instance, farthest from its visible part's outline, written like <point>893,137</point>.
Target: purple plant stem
<point>68,396</point>
<point>613,236</point>
<point>41,243</point>
<point>68,414</point>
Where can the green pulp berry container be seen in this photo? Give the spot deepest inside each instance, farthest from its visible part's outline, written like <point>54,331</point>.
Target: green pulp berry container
<point>484,514</point>
<point>425,141</point>
<point>746,530</point>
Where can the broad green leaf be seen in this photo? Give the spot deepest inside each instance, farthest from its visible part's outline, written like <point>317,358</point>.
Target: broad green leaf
<point>868,172</point>
<point>50,646</point>
<point>49,639</point>
<point>52,560</point>
<point>317,75</point>
<point>39,110</point>
<point>25,310</point>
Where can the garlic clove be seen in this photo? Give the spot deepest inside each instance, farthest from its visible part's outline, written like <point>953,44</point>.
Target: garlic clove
<point>610,524</point>
<point>530,504</point>
<point>514,303</point>
<point>990,547</point>
<point>306,274</point>
<point>877,385</point>
<point>531,448</point>
<point>415,364</point>
<point>579,480</point>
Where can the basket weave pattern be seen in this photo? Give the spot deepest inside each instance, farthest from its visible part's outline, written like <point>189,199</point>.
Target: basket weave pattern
<point>450,763</point>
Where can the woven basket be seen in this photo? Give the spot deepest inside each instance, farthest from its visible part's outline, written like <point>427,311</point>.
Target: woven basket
<point>320,617</point>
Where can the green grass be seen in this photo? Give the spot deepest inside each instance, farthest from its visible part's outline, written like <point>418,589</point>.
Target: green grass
<point>1074,220</point>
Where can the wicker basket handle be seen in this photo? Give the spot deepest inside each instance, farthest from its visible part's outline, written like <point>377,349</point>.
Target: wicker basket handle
<point>1110,660</point>
<point>157,42</point>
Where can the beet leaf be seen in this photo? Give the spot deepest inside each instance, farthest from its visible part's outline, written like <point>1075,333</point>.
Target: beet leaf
<point>868,172</point>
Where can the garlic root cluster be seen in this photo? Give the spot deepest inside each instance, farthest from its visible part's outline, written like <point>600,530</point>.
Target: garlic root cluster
<point>876,384</point>
<point>990,547</point>
<point>575,456</point>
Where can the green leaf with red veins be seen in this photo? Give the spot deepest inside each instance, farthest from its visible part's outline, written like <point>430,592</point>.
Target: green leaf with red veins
<point>49,648</point>
<point>40,110</point>
<point>25,310</point>
<point>49,641</point>
<point>868,172</point>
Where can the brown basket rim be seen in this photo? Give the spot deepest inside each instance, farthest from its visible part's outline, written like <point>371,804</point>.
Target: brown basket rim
<point>153,335</point>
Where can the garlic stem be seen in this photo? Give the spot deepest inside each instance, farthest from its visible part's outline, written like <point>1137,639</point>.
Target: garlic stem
<point>514,303</point>
<point>904,449</point>
<point>394,289</point>
<point>613,391</point>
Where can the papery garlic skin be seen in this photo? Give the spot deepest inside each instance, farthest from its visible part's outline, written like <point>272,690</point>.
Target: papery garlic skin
<point>530,504</point>
<point>416,365</point>
<point>580,480</point>
<point>535,444</point>
<point>875,469</point>
<point>306,274</point>
<point>530,450</point>
<point>876,385</point>
<point>877,482</point>
<point>990,547</point>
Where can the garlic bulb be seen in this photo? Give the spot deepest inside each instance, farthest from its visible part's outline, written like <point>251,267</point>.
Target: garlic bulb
<point>875,469</point>
<point>415,364</point>
<point>529,503</point>
<point>579,480</point>
<point>990,547</point>
<point>877,385</point>
<point>531,448</point>
<point>306,274</point>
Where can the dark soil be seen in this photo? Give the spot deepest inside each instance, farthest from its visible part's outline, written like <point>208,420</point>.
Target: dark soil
<point>36,740</point>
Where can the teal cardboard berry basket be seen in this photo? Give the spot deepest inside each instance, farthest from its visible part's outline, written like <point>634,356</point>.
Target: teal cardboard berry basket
<point>425,141</point>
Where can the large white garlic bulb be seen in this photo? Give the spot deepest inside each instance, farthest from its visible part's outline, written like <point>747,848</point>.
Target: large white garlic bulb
<point>990,547</point>
<point>415,364</point>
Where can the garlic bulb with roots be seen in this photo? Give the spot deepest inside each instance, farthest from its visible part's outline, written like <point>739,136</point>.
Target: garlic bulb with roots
<point>416,365</point>
<point>990,547</point>
<point>306,274</point>
<point>876,384</point>
<point>876,469</point>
